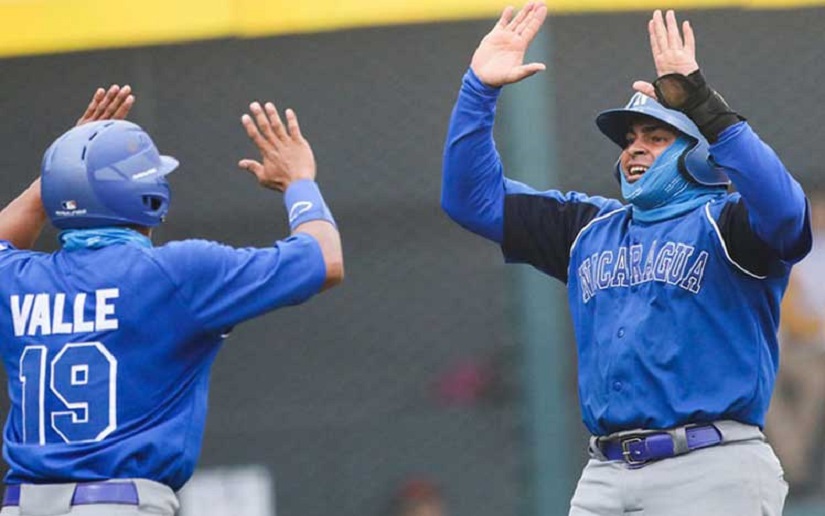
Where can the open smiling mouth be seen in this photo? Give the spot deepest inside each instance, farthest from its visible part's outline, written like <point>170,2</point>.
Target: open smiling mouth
<point>637,171</point>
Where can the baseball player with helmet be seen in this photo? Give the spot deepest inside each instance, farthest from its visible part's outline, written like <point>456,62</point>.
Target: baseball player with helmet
<point>108,342</point>
<point>674,295</point>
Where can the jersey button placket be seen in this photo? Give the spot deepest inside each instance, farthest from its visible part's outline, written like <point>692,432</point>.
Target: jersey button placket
<point>617,385</point>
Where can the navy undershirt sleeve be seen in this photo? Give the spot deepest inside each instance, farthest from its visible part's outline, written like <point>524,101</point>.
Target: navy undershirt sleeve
<point>744,246</point>
<point>776,207</point>
<point>540,228</point>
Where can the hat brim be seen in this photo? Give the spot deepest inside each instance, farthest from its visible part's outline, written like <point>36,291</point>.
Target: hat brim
<point>167,165</point>
<point>615,124</point>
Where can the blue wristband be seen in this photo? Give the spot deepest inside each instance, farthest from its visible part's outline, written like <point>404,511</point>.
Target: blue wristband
<point>304,203</point>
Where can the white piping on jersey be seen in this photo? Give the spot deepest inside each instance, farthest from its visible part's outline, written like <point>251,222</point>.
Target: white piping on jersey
<point>725,247</point>
<point>597,219</point>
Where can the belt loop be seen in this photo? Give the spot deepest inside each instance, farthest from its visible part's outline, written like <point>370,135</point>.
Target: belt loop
<point>595,448</point>
<point>732,431</point>
<point>46,499</point>
<point>680,444</point>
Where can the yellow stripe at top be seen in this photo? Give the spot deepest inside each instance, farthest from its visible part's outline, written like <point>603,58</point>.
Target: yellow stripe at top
<point>39,26</point>
<point>44,26</point>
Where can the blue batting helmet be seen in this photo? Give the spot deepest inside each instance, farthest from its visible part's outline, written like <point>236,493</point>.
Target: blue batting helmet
<point>106,173</point>
<point>696,161</point>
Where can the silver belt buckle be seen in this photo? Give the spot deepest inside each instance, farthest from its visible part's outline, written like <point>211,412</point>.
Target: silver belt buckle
<point>627,454</point>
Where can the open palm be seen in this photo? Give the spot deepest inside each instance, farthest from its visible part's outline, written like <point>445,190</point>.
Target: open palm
<point>499,58</point>
<point>671,52</point>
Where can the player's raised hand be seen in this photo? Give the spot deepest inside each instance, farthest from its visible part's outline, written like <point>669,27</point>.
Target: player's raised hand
<point>671,52</point>
<point>499,58</point>
<point>285,154</point>
<point>112,104</point>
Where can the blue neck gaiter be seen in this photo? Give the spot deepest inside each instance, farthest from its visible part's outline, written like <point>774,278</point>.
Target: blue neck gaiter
<point>663,192</point>
<point>73,239</point>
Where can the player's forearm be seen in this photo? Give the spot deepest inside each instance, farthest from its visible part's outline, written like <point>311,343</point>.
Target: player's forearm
<point>309,213</point>
<point>329,240</point>
<point>775,200</point>
<point>24,218</point>
<point>472,189</point>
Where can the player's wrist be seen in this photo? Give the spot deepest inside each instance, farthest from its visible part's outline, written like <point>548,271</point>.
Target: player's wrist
<point>304,203</point>
<point>691,95</point>
<point>305,176</point>
<point>476,84</point>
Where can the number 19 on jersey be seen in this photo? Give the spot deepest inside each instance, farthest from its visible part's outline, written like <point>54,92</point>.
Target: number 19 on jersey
<point>82,377</point>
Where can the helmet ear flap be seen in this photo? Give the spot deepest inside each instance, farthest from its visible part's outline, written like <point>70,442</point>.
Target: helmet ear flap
<point>699,166</point>
<point>153,202</point>
<point>683,167</point>
<point>156,204</point>
<point>617,170</point>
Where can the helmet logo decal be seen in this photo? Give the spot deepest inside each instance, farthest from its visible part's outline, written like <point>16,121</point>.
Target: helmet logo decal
<point>639,99</point>
<point>69,209</point>
<point>145,173</point>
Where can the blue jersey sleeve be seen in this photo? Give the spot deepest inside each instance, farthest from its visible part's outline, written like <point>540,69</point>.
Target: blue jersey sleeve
<point>225,285</point>
<point>472,188</point>
<point>776,206</point>
<point>533,227</point>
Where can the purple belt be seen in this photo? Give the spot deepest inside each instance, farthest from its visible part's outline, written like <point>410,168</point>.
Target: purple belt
<point>124,493</point>
<point>638,450</point>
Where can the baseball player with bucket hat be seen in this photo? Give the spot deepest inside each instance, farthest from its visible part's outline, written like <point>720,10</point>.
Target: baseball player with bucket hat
<point>674,294</point>
<point>108,342</point>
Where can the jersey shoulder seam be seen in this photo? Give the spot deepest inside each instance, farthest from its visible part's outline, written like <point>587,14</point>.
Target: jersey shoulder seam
<point>725,247</point>
<point>591,223</point>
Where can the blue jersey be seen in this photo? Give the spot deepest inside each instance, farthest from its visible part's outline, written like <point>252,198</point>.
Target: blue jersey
<point>108,351</point>
<point>675,320</point>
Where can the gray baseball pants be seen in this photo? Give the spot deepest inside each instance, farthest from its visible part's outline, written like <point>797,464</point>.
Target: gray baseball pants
<point>56,500</point>
<point>740,477</point>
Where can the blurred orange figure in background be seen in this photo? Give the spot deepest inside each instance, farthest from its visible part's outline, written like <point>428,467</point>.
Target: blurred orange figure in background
<point>796,421</point>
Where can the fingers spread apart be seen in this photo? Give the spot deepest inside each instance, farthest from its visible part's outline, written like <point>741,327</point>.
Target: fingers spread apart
<point>263,125</point>
<point>659,31</point>
<point>266,129</point>
<point>251,166</point>
<point>664,33</point>
<point>521,16</point>
<point>112,104</point>
<point>526,21</point>
<point>114,101</point>
<point>674,39</point>
<point>292,122</point>
<point>506,16</point>
<point>253,133</point>
<point>533,23</point>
